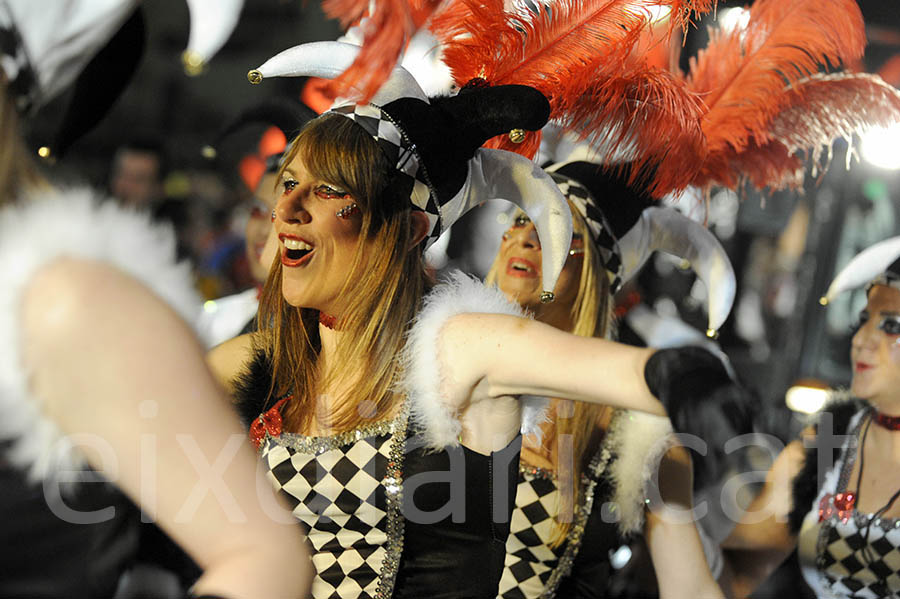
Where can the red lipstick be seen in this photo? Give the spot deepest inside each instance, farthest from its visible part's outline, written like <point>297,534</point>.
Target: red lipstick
<point>296,256</point>
<point>520,267</point>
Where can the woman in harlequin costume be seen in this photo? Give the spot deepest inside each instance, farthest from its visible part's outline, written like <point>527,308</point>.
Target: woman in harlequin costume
<point>760,107</point>
<point>609,455</point>
<point>99,366</point>
<point>389,412</point>
<point>843,519</point>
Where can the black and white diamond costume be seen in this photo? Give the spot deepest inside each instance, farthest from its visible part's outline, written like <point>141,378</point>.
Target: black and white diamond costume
<point>835,557</point>
<point>614,486</point>
<point>844,552</point>
<point>399,508</point>
<point>625,228</point>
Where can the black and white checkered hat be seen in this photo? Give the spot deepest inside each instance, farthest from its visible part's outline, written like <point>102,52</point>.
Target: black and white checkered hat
<point>601,233</point>
<point>46,45</point>
<point>402,153</point>
<point>631,225</point>
<point>435,145</point>
<point>14,62</point>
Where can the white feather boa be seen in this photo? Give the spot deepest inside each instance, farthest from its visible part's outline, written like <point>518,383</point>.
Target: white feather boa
<point>429,413</point>
<point>41,228</point>
<point>639,441</point>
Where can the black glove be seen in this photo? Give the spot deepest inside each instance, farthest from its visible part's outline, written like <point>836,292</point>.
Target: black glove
<point>703,400</point>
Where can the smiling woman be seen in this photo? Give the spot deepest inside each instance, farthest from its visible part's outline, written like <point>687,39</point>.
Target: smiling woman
<point>845,521</point>
<point>368,389</point>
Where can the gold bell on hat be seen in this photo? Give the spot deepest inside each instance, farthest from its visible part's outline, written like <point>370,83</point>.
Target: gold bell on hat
<point>517,136</point>
<point>193,63</point>
<point>255,77</point>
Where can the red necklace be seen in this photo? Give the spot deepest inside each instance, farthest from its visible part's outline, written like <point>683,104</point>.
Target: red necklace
<point>328,321</point>
<point>892,423</point>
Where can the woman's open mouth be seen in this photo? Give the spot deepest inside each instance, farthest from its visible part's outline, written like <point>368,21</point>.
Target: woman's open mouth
<point>520,267</point>
<point>296,251</point>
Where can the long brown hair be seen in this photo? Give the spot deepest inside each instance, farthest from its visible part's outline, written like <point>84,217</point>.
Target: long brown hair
<point>591,315</point>
<point>384,291</point>
<point>17,168</point>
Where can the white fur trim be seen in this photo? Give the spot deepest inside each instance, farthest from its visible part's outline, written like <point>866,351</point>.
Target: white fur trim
<point>43,227</point>
<point>639,441</point>
<point>534,413</point>
<point>429,413</point>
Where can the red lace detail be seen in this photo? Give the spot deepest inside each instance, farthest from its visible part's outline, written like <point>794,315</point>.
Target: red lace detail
<point>839,504</point>
<point>268,423</point>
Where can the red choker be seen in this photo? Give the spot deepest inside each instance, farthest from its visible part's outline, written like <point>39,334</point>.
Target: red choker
<point>889,422</point>
<point>328,321</point>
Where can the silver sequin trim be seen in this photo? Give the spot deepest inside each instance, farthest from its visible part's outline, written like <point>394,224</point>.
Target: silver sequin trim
<point>315,445</point>
<point>393,486</point>
<point>536,471</point>
<point>573,541</point>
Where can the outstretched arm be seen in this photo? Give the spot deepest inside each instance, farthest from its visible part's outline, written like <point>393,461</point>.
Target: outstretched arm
<point>113,364</point>
<point>511,356</point>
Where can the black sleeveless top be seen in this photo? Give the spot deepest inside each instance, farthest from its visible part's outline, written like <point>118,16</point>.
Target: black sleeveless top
<point>386,517</point>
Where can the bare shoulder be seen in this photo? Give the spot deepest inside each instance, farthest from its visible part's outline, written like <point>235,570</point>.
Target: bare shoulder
<point>86,323</point>
<point>474,325</point>
<point>73,296</point>
<point>228,359</point>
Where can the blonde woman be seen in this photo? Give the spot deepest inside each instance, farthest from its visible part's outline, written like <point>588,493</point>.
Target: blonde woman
<point>562,533</point>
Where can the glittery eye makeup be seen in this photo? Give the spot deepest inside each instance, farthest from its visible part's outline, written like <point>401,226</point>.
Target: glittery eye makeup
<point>328,192</point>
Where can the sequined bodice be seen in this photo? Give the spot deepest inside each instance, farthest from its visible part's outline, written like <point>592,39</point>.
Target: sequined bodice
<point>533,568</point>
<point>836,558</point>
<point>345,490</point>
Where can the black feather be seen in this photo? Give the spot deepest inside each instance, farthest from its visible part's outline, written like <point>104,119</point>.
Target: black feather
<point>252,387</point>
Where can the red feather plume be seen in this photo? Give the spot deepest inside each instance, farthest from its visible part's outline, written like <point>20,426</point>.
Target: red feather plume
<point>647,117</point>
<point>563,50</point>
<point>817,110</point>
<point>742,74</point>
<point>388,30</point>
